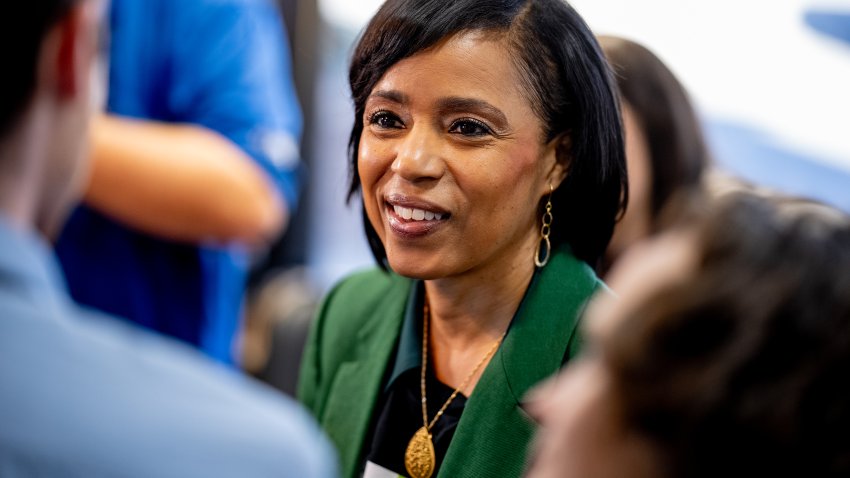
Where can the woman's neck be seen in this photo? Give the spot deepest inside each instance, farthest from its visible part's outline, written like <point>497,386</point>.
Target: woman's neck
<point>471,311</point>
<point>478,306</point>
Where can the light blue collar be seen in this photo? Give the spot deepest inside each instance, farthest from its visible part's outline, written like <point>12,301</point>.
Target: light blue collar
<point>29,272</point>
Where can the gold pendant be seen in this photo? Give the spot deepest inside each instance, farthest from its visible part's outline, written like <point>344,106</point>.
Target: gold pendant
<point>419,458</point>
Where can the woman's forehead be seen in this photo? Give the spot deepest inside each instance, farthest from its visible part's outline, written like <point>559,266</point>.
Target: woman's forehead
<point>469,64</point>
<point>466,73</point>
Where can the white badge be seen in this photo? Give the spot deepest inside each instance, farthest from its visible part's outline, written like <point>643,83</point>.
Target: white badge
<point>378,471</point>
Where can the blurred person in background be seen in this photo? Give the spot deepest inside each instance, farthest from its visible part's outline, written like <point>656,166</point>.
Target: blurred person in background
<point>726,355</point>
<point>84,394</point>
<point>196,161</point>
<point>665,149</point>
<point>488,195</point>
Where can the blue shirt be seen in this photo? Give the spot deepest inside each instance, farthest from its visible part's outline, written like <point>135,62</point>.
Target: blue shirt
<point>83,395</point>
<point>222,64</point>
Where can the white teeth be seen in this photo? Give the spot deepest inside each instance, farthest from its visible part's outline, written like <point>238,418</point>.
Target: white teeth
<point>414,214</point>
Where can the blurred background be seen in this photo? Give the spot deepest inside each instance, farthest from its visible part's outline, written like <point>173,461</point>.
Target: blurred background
<point>770,80</point>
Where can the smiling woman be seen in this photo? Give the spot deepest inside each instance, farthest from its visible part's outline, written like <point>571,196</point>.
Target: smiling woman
<point>488,153</point>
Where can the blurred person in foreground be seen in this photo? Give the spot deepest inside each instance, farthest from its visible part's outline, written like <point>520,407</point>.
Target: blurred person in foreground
<point>727,354</point>
<point>665,150</point>
<point>83,394</point>
<point>488,152</point>
<point>195,163</point>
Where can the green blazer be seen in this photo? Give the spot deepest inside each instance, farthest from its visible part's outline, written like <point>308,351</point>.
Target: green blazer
<point>354,337</point>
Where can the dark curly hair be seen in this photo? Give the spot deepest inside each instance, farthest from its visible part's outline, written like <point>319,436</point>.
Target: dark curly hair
<point>742,369</point>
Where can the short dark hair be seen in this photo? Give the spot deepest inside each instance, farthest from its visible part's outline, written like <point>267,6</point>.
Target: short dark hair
<point>566,78</point>
<point>32,20</point>
<point>741,369</point>
<point>678,154</point>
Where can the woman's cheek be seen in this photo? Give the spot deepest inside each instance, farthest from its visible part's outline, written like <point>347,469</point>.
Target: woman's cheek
<point>372,162</point>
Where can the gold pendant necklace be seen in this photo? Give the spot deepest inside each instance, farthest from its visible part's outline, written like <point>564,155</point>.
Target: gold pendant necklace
<point>419,458</point>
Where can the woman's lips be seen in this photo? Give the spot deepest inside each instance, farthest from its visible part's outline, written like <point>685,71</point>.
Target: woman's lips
<point>412,222</point>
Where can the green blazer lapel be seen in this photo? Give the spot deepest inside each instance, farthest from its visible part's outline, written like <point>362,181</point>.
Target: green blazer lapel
<point>547,322</point>
<point>492,437</point>
<point>356,386</point>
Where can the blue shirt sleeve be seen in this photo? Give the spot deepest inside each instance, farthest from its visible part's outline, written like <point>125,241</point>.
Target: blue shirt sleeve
<point>231,73</point>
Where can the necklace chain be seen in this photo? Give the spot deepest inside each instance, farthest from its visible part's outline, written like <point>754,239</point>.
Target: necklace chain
<point>425,319</point>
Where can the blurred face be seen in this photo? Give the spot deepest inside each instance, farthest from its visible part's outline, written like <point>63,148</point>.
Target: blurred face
<point>636,224</point>
<point>453,163</point>
<point>582,433</point>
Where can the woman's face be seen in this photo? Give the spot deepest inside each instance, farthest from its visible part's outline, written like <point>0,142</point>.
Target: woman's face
<point>636,224</point>
<point>452,161</point>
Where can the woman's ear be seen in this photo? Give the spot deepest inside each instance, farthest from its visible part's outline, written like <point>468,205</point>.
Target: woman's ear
<point>558,160</point>
<point>70,50</point>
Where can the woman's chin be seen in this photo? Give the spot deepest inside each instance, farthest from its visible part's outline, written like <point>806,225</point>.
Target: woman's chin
<point>415,269</point>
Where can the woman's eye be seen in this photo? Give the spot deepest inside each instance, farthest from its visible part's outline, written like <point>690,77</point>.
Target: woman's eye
<point>386,120</point>
<point>470,127</point>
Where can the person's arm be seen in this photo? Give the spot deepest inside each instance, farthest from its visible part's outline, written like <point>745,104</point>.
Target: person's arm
<point>181,182</point>
<point>225,167</point>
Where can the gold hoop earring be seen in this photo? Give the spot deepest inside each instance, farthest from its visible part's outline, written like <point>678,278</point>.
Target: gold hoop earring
<point>545,230</point>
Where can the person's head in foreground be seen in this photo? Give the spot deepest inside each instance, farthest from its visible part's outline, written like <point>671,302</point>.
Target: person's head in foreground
<point>727,354</point>
<point>468,115</point>
<point>84,394</point>
<point>665,150</point>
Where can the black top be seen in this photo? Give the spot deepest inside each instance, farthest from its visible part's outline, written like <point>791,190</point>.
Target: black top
<point>398,413</point>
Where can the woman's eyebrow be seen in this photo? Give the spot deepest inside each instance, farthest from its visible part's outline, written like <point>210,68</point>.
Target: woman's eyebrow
<point>391,95</point>
<point>459,104</point>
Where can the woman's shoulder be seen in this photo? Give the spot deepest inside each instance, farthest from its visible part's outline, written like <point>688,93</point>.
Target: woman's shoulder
<point>354,316</point>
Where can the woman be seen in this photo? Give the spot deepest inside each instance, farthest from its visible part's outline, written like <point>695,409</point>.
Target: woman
<point>665,149</point>
<point>488,152</point>
<point>729,358</point>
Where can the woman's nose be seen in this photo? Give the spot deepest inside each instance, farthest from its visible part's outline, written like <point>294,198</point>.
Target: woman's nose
<point>419,156</point>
